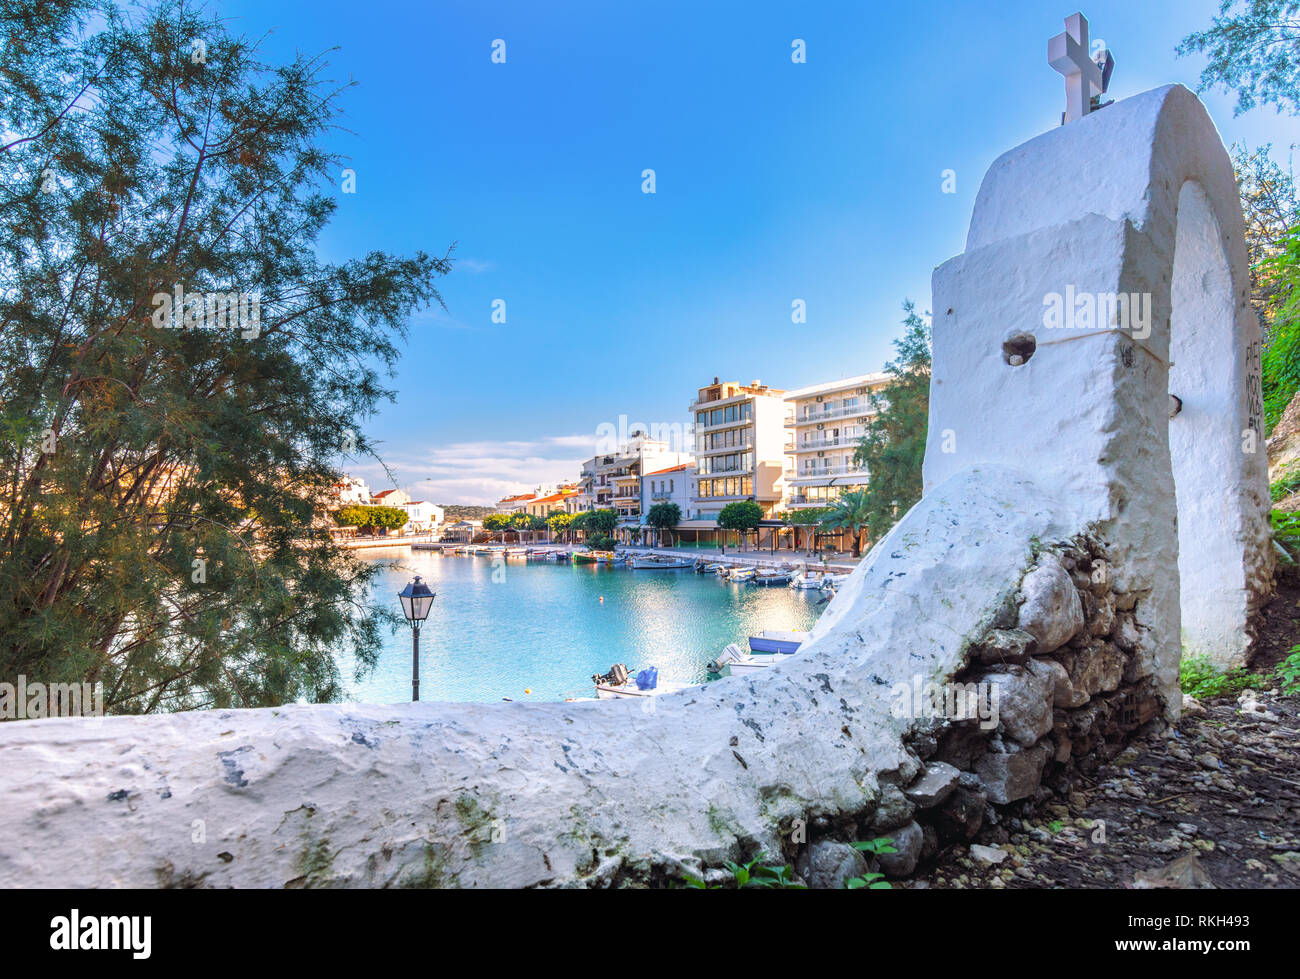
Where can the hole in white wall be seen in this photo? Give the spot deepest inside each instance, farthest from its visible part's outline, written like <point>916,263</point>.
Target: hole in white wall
<point>1018,348</point>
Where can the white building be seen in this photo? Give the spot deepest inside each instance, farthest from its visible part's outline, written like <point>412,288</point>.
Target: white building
<point>827,421</point>
<point>422,516</point>
<point>350,490</point>
<point>676,484</point>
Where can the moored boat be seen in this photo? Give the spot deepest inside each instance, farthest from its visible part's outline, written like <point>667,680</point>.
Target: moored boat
<point>770,578</point>
<point>777,641</point>
<point>657,563</point>
<point>618,684</point>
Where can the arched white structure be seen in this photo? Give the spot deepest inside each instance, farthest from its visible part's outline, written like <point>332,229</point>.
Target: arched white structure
<point>1137,200</point>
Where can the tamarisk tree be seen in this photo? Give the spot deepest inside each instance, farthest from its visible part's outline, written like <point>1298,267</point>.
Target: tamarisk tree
<point>179,371</point>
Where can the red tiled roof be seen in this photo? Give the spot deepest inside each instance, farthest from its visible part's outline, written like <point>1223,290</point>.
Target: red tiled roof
<point>674,469</point>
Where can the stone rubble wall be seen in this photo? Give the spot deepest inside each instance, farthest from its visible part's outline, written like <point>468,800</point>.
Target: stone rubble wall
<point>1075,677</point>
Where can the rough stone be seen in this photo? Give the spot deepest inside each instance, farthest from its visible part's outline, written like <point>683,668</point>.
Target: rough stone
<point>961,816</point>
<point>1004,646</point>
<point>1096,669</point>
<point>1100,615</point>
<point>908,841</point>
<point>987,854</point>
<point>935,784</point>
<point>1052,612</point>
<point>1125,634</point>
<point>894,809</point>
<point>962,744</point>
<point>1024,703</point>
<point>1008,776</point>
<point>1054,675</point>
<point>828,864</point>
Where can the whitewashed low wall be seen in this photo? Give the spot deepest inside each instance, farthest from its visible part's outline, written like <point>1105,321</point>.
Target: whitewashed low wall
<point>512,795</point>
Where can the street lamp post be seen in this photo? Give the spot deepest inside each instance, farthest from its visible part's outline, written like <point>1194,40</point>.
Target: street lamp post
<point>416,600</point>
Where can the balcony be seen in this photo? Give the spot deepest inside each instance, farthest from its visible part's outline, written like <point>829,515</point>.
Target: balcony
<point>741,471</point>
<point>821,472</point>
<point>860,410</point>
<point>813,445</point>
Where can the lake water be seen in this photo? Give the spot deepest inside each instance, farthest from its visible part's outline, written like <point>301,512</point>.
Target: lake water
<point>545,628</point>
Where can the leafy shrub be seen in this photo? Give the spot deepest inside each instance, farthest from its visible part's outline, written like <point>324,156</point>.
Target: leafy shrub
<point>1286,533</point>
<point>1288,671</point>
<point>752,874</point>
<point>1203,680</point>
<point>872,881</point>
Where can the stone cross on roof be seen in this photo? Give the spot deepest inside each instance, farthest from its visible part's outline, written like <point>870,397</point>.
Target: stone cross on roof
<point>1068,54</point>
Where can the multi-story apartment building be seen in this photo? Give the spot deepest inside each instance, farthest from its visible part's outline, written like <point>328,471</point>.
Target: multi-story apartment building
<point>739,449</point>
<point>827,421</point>
<point>613,480</point>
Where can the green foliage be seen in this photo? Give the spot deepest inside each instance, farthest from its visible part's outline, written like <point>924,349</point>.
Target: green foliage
<point>601,542</point>
<point>740,515</point>
<point>806,517</point>
<point>386,517</point>
<point>1203,680</point>
<point>1281,357</point>
<point>1253,51</point>
<point>752,874</point>
<point>1286,534</point>
<point>1270,208</point>
<point>893,447</point>
<point>881,844</point>
<point>496,522</point>
<point>174,544</point>
<point>602,521</point>
<point>1283,487</point>
<point>664,516</point>
<point>1288,672</point>
<point>872,881</point>
<point>559,521</point>
<point>851,512</point>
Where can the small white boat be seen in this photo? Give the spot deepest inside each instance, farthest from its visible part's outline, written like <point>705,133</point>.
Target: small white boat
<point>734,661</point>
<point>618,684</point>
<point>831,582</point>
<point>654,563</point>
<point>778,641</point>
<point>770,578</point>
<point>810,580</point>
<point>740,574</point>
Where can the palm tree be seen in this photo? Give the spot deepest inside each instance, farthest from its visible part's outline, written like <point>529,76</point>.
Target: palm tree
<point>849,512</point>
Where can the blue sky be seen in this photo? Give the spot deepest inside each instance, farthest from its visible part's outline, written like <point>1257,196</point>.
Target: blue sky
<point>775,181</point>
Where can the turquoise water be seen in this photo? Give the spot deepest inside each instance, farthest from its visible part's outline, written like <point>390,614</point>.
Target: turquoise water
<point>544,627</point>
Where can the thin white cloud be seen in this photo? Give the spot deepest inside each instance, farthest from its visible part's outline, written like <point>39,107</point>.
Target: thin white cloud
<point>481,472</point>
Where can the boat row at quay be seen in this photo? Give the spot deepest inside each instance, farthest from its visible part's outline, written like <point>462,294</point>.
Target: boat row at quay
<point>769,648</point>
<point>789,575</point>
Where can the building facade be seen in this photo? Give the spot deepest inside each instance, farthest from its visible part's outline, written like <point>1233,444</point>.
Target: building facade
<point>422,517</point>
<point>676,484</point>
<point>613,480</point>
<point>740,441</point>
<point>826,422</point>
